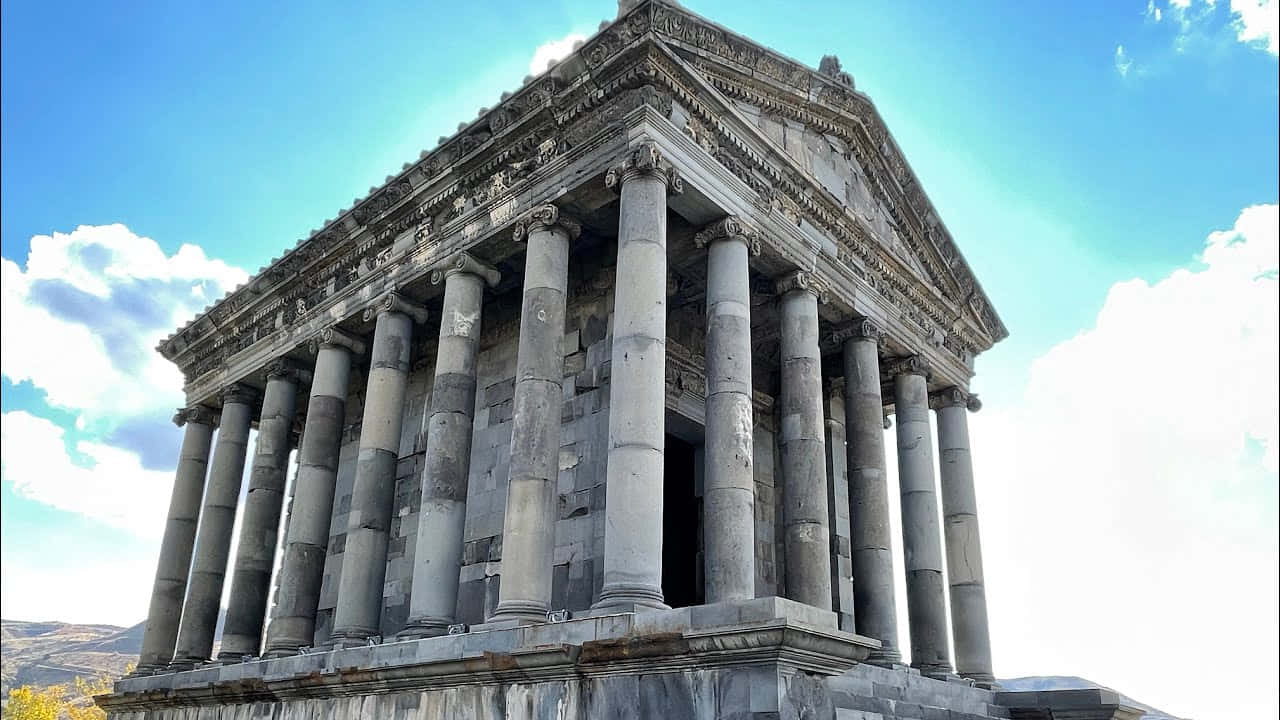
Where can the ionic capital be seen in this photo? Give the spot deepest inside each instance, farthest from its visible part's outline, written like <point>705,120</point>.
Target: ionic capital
<point>729,228</point>
<point>395,302</point>
<point>545,217</point>
<point>910,365</point>
<point>465,263</point>
<point>334,337</point>
<point>239,393</point>
<point>948,397</point>
<point>644,159</point>
<point>198,414</point>
<point>801,281</point>
<point>861,329</point>
<point>286,369</point>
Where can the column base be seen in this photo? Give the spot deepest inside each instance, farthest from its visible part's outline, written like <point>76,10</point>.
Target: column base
<point>936,672</point>
<point>425,627</point>
<point>233,658</point>
<point>521,612</point>
<point>184,664</point>
<point>148,669</point>
<point>986,681</point>
<point>889,658</point>
<point>630,598</point>
<point>349,638</point>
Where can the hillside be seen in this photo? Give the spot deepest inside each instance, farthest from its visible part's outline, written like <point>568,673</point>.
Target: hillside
<point>48,653</point>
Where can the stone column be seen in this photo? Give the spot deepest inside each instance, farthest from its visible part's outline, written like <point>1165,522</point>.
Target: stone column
<point>256,551</point>
<point>874,606</point>
<point>217,519</point>
<point>528,532</point>
<point>161,632</point>
<point>293,622</point>
<point>807,536</point>
<point>964,549</point>
<point>729,482</point>
<point>637,387</point>
<point>358,614</point>
<point>921,540</point>
<point>438,554</point>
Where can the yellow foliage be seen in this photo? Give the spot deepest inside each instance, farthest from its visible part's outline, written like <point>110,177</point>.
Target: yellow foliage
<point>58,702</point>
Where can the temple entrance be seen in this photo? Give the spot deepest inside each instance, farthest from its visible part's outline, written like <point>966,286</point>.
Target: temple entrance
<point>681,525</point>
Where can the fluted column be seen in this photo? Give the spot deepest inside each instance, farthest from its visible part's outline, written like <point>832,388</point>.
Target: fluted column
<point>256,551</point>
<point>964,548</point>
<point>438,554</point>
<point>921,539</point>
<point>364,563</point>
<point>293,621</point>
<point>528,531</point>
<point>875,612</point>
<point>217,518</point>
<point>174,564</point>
<point>807,537</point>
<point>637,387</point>
<point>728,503</point>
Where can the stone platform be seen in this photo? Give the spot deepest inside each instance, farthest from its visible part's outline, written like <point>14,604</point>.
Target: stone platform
<point>765,658</point>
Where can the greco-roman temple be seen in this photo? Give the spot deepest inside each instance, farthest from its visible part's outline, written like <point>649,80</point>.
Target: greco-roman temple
<point>588,407</point>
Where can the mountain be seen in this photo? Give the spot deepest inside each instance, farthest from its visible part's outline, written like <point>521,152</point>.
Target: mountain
<point>49,653</point>
<point>1071,682</point>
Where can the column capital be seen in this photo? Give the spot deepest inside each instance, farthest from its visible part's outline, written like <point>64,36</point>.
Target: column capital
<point>286,369</point>
<point>468,264</point>
<point>395,302</point>
<point>860,329</point>
<point>954,397</point>
<point>644,159</point>
<point>240,393</point>
<point>196,414</point>
<point>729,228</point>
<point>910,365</point>
<point>337,338</point>
<point>801,281</point>
<point>545,216</point>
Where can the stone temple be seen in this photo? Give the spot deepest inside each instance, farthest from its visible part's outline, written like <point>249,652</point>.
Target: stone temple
<point>589,407</point>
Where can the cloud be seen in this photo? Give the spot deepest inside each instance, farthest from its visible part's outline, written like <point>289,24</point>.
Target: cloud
<point>1129,498</point>
<point>553,50</point>
<point>1123,61</point>
<point>81,321</point>
<point>1255,22</point>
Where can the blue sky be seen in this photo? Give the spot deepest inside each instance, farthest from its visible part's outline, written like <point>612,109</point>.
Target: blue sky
<point>1081,154</point>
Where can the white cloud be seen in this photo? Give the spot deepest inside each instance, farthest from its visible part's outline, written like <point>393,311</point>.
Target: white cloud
<point>1256,23</point>
<point>1123,61</point>
<point>82,320</point>
<point>1129,500</point>
<point>553,50</point>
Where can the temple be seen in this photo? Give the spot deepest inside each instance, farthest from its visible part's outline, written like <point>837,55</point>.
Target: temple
<point>589,409</point>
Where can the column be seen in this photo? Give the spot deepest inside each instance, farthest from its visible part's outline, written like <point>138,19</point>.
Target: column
<point>256,550</point>
<point>170,587</point>
<point>528,531</point>
<point>637,387</point>
<point>964,549</point>
<point>729,483</point>
<point>807,538</point>
<point>921,539</point>
<point>293,621</point>
<point>874,607</point>
<point>438,554</point>
<point>217,518</point>
<point>364,565</point>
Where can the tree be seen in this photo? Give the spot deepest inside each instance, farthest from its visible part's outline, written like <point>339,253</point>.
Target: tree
<point>58,702</point>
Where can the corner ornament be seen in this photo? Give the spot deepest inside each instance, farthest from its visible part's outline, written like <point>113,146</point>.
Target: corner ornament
<point>644,159</point>
<point>729,227</point>
<point>545,217</point>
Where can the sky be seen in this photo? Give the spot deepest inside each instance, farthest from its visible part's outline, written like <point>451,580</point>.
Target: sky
<point>1108,168</point>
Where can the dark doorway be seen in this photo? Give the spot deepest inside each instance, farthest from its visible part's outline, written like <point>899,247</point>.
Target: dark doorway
<point>681,526</point>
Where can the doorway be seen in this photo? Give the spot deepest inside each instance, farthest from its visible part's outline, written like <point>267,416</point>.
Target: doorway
<point>681,524</point>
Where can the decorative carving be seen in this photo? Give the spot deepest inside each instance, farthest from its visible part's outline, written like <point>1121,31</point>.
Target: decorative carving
<point>545,216</point>
<point>334,336</point>
<point>801,280</point>
<point>644,159</point>
<point>860,329</point>
<point>830,66</point>
<point>729,227</point>
<point>395,302</point>
<point>910,365</point>
<point>196,414</point>
<point>284,368</point>
<point>466,263</point>
<point>381,202</point>
<point>239,393</point>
